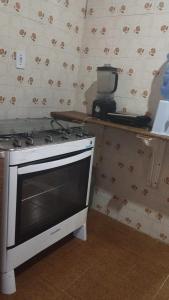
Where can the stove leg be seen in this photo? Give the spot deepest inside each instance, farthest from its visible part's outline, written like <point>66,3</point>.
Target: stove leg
<point>8,285</point>
<point>81,233</point>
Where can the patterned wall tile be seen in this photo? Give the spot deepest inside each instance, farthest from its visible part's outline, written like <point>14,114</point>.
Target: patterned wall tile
<point>52,60</point>
<point>132,39</point>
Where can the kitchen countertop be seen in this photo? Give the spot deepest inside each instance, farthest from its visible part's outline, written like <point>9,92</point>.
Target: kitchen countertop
<point>85,118</point>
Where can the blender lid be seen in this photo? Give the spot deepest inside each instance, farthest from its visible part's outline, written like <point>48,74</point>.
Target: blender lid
<point>107,68</point>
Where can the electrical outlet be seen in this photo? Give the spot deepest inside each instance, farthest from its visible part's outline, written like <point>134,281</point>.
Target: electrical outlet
<point>20,59</point>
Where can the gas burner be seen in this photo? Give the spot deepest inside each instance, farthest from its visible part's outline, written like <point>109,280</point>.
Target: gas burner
<point>65,136</point>
<point>36,135</point>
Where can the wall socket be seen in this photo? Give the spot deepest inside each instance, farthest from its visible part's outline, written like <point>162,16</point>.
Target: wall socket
<point>20,59</point>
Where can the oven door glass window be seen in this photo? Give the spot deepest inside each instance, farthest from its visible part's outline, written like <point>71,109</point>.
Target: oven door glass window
<point>46,198</point>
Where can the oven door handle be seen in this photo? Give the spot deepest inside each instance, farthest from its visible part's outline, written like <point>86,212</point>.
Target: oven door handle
<point>53,164</point>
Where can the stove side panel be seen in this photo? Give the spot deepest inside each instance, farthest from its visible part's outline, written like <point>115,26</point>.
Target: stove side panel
<point>1,183</point>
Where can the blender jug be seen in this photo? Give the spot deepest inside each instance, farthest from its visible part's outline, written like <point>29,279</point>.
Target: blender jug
<point>107,80</point>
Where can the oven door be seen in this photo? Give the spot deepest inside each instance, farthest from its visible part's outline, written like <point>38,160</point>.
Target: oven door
<point>48,192</point>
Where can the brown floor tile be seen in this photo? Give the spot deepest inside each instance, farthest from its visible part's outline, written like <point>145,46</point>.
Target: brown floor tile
<point>145,280</point>
<point>163,292</point>
<point>38,289</point>
<point>113,233</point>
<point>116,263</point>
<point>89,287</point>
<point>119,280</point>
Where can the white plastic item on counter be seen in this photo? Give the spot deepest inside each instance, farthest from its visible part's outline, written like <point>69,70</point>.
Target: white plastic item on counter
<point>161,122</point>
<point>165,84</point>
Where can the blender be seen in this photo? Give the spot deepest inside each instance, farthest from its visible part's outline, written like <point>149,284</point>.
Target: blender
<point>107,81</point>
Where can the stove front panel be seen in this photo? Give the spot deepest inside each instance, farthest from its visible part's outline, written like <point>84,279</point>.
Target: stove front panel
<point>47,192</point>
<point>29,154</point>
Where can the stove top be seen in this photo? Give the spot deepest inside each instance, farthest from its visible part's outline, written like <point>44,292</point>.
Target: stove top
<point>23,133</point>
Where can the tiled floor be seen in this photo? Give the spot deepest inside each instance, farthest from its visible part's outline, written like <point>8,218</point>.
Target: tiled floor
<point>116,263</point>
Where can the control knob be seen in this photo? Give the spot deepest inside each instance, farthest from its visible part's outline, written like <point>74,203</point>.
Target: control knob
<point>17,143</point>
<point>49,139</point>
<point>29,141</point>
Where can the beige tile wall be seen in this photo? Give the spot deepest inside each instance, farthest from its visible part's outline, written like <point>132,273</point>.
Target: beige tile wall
<point>131,35</point>
<point>50,33</point>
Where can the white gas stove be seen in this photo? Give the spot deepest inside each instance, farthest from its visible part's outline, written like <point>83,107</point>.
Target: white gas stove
<point>46,170</point>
